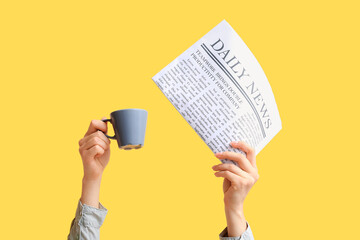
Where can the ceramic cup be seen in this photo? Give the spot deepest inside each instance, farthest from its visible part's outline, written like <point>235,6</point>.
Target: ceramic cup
<point>129,127</point>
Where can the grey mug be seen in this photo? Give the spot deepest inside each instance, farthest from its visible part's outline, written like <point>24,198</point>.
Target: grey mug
<point>129,127</point>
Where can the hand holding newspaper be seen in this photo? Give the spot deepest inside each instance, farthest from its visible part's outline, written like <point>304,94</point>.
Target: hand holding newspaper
<point>218,86</point>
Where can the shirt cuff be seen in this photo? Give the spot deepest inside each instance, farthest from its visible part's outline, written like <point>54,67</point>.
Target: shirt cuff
<point>247,235</point>
<point>90,216</point>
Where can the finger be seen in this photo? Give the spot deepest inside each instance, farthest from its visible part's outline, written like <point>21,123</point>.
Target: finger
<point>242,161</point>
<point>233,178</point>
<point>94,141</point>
<point>98,133</point>
<point>232,168</point>
<point>96,125</point>
<point>95,150</point>
<point>250,152</point>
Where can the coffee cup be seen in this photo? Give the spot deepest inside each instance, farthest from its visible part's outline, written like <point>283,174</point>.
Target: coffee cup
<point>129,127</point>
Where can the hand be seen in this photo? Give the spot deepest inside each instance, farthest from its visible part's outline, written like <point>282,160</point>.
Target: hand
<point>237,183</point>
<point>95,153</point>
<point>95,150</point>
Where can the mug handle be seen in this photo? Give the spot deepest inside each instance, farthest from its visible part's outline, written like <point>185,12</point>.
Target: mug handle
<point>108,120</point>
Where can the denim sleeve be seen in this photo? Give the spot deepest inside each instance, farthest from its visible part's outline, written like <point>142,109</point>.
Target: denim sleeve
<point>87,222</point>
<point>247,235</point>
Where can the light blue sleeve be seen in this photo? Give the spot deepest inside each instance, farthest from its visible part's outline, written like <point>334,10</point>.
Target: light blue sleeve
<point>87,222</point>
<point>247,235</point>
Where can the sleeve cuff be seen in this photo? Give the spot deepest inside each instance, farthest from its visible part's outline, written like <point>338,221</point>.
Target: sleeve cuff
<point>247,235</point>
<point>90,216</point>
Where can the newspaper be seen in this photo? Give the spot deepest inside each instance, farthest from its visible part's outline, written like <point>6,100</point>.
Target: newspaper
<point>220,89</point>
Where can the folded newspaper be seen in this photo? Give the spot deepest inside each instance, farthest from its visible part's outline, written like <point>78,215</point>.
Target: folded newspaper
<point>220,89</point>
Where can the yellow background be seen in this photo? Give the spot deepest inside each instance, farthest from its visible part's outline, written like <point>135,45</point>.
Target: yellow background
<point>63,63</point>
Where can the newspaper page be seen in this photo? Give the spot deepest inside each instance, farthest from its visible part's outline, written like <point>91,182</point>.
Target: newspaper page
<point>220,89</point>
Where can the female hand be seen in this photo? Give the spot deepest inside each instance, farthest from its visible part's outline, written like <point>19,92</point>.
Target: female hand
<point>95,150</point>
<point>95,153</point>
<point>237,183</point>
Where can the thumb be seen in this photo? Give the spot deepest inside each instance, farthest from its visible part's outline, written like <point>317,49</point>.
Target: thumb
<point>103,118</point>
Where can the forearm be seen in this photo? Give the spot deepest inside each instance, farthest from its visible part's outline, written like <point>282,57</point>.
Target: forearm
<point>90,191</point>
<point>236,223</point>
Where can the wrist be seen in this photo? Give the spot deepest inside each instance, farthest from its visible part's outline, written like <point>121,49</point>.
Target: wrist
<point>90,191</point>
<point>236,222</point>
<point>237,214</point>
<point>234,210</point>
<point>91,179</point>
